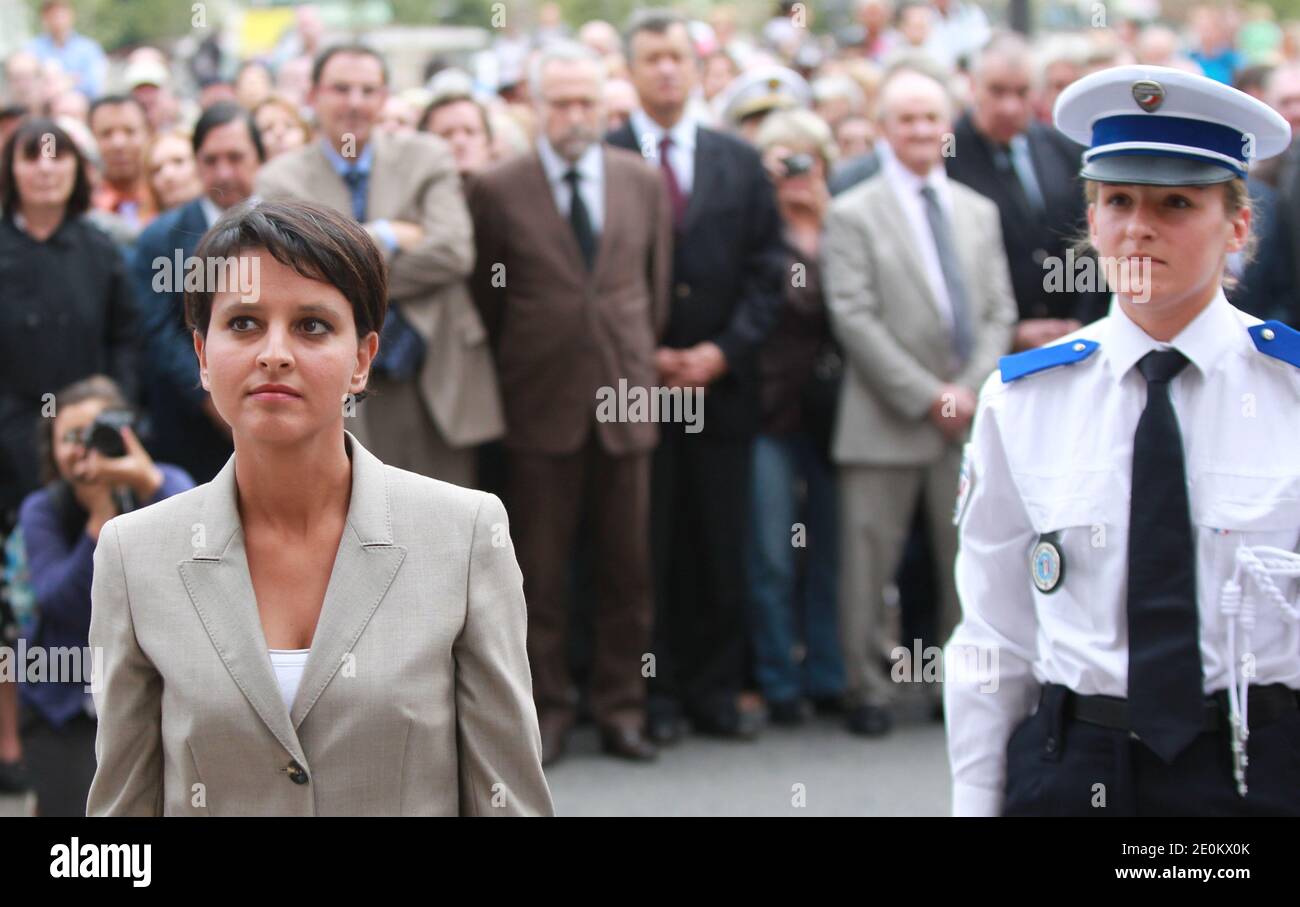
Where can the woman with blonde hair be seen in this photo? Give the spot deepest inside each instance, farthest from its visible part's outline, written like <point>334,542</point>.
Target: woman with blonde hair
<point>1129,508</point>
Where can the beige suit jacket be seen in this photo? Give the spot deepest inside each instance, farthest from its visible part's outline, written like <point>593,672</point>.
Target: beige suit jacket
<point>897,348</point>
<point>413,178</point>
<point>416,698</point>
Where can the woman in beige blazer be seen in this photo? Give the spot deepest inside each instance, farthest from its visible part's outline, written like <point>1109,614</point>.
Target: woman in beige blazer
<point>312,632</point>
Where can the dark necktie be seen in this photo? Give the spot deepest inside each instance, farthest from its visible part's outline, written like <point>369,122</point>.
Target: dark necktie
<point>950,264</point>
<point>580,220</point>
<point>356,179</point>
<point>1165,687</point>
<point>675,195</point>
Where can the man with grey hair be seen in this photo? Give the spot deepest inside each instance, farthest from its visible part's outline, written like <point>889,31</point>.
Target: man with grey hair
<point>920,300</point>
<point>585,231</point>
<point>1030,171</point>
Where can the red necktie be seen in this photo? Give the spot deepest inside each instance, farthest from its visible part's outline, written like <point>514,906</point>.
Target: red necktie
<point>675,194</point>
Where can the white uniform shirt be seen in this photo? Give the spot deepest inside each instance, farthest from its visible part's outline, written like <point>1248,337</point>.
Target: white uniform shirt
<point>1053,452</point>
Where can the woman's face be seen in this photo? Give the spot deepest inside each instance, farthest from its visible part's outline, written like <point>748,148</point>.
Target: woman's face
<point>172,173</point>
<point>1162,246</point>
<point>69,428</point>
<point>280,131</point>
<point>45,180</point>
<point>279,368</point>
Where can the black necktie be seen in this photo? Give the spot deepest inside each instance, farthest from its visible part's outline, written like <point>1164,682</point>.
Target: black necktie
<point>580,220</point>
<point>1165,687</point>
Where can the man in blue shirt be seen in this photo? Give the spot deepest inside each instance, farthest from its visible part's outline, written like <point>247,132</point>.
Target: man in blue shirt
<point>80,57</point>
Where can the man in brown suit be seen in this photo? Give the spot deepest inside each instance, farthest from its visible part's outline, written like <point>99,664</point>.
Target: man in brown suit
<point>433,393</point>
<point>574,253</point>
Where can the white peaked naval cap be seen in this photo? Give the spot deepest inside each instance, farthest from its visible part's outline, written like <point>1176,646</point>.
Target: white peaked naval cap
<point>1165,127</point>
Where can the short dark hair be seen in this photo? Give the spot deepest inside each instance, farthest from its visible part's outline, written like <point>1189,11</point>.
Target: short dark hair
<point>220,114</point>
<point>317,242</point>
<point>27,139</point>
<point>115,100</point>
<point>655,21</point>
<point>446,101</point>
<point>318,67</point>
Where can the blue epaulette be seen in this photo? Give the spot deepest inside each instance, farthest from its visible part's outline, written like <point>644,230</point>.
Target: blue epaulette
<point>1273,338</point>
<point>1017,365</point>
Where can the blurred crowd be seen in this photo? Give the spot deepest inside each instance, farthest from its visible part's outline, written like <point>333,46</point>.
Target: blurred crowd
<point>587,207</point>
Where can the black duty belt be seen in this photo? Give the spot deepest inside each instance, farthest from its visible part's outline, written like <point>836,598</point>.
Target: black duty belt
<point>1266,704</point>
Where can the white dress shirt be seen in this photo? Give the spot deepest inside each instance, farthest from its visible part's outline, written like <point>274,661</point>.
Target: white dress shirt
<point>907,186</point>
<point>211,211</point>
<point>591,180</point>
<point>681,155</point>
<point>1053,452</point>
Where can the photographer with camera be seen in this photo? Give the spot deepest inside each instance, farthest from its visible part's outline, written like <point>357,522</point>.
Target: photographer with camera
<point>799,369</point>
<point>95,468</point>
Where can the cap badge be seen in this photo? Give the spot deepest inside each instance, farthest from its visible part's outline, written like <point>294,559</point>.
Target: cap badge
<point>1149,95</point>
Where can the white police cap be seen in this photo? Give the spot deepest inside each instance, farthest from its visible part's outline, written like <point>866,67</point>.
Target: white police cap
<point>763,89</point>
<point>1166,127</point>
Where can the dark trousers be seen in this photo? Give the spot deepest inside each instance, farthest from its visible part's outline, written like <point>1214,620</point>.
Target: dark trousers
<point>1059,766</point>
<point>60,762</point>
<point>700,494</point>
<point>548,496</point>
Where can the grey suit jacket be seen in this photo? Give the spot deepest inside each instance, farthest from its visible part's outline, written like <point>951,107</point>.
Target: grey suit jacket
<point>416,698</point>
<point>897,349</point>
<point>414,179</point>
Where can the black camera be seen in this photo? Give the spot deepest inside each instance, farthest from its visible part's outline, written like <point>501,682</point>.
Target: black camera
<point>797,164</point>
<point>105,433</point>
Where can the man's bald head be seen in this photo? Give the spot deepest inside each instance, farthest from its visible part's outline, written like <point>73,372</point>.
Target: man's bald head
<point>915,118</point>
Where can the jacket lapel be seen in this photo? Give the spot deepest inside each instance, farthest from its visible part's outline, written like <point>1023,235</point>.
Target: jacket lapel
<point>618,197</point>
<point>709,172</point>
<point>540,188</point>
<point>364,568</point>
<point>221,590</point>
<point>895,224</point>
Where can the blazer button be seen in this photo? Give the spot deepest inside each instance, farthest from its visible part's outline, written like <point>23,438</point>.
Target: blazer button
<point>297,774</point>
<point>683,290</point>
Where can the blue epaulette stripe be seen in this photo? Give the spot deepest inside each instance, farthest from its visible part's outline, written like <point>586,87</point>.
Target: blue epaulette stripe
<point>1281,341</point>
<point>1017,365</point>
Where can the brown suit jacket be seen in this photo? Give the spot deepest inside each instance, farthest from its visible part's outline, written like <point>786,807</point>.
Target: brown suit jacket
<point>414,179</point>
<point>562,333</point>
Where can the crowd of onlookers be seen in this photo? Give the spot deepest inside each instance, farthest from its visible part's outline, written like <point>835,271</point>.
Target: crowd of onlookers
<point>824,237</point>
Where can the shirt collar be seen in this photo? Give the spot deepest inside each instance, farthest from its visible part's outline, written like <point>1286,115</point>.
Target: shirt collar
<point>211,210</point>
<point>1204,341</point>
<point>588,165</point>
<point>342,164</point>
<point>682,132</point>
<point>912,183</point>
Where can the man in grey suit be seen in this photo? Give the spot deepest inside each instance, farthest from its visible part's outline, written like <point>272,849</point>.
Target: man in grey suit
<point>434,390</point>
<point>920,299</point>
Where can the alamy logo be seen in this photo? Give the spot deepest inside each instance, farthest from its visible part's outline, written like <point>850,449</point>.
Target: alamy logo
<point>102,861</point>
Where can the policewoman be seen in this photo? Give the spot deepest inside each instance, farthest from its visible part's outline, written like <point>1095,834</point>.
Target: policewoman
<point>1129,509</point>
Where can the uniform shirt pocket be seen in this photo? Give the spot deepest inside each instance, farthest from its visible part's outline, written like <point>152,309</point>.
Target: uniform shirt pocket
<point>1084,516</point>
<point>1230,511</point>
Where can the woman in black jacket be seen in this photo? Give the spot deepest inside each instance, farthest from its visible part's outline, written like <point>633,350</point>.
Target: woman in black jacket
<point>65,310</point>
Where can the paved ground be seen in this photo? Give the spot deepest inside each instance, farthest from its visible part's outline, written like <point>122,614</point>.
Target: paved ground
<point>903,774</point>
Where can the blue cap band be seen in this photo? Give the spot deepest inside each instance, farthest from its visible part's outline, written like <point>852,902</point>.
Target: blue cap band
<point>1167,130</point>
